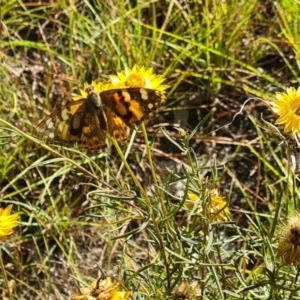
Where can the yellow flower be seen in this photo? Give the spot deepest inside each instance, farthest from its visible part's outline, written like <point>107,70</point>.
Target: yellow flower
<point>7,222</point>
<point>191,200</point>
<point>289,241</point>
<point>287,107</point>
<point>188,291</point>
<point>216,208</point>
<point>140,77</point>
<point>102,290</point>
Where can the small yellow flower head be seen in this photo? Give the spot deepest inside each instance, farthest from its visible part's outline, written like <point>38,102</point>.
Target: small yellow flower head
<point>102,290</point>
<point>7,222</point>
<point>289,241</point>
<point>191,200</point>
<point>216,208</point>
<point>287,107</point>
<point>139,77</point>
<point>187,291</point>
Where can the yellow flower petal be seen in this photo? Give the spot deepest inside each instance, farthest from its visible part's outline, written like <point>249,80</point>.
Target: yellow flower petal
<point>192,198</point>
<point>287,107</point>
<point>217,210</point>
<point>83,94</point>
<point>7,222</point>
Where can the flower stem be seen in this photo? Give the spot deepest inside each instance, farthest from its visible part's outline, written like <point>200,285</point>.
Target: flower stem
<point>4,276</point>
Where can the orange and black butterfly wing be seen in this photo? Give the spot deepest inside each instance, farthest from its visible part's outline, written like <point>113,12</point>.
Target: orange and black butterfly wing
<point>78,123</point>
<point>116,128</point>
<point>55,128</point>
<point>132,105</point>
<point>92,130</point>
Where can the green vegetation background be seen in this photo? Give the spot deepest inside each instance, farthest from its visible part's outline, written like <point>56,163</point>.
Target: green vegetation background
<point>81,216</point>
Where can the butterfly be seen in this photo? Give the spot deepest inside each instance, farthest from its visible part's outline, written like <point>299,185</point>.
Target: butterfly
<point>87,121</point>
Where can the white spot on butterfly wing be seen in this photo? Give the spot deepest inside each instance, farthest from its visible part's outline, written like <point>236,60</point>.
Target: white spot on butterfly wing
<point>144,94</point>
<point>49,124</point>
